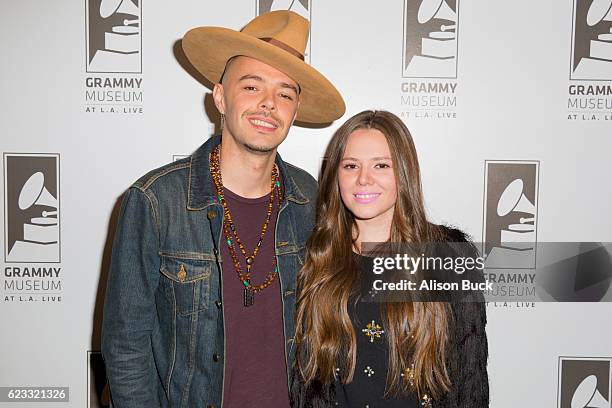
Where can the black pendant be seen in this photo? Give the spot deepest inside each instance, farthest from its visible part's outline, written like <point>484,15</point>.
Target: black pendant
<point>249,297</point>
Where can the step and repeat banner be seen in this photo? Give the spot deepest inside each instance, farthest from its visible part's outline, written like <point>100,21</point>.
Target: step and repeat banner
<point>509,103</point>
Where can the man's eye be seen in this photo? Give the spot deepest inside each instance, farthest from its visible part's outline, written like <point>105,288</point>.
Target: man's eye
<point>250,88</point>
<point>286,96</point>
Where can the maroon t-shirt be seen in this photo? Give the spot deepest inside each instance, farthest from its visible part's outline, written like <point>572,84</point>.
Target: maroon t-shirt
<point>255,367</point>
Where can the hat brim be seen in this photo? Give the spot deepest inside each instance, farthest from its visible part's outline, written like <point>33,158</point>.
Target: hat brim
<point>209,48</point>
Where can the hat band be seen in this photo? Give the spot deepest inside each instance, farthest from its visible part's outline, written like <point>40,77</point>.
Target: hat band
<point>284,47</point>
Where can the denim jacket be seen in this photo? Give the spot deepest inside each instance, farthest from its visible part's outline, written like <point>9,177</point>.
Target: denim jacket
<point>163,328</point>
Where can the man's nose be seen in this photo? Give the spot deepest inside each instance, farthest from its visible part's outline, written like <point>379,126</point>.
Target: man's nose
<point>267,101</point>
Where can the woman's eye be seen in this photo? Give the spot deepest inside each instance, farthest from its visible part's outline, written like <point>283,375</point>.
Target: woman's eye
<point>250,88</point>
<point>382,166</point>
<point>349,166</point>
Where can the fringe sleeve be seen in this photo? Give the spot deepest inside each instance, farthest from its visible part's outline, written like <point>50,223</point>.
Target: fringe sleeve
<point>468,363</point>
<point>316,395</point>
<point>467,360</point>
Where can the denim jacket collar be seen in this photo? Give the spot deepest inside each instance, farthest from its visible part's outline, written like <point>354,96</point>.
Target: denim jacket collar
<point>200,195</point>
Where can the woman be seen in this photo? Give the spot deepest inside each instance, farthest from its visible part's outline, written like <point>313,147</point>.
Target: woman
<point>366,354</point>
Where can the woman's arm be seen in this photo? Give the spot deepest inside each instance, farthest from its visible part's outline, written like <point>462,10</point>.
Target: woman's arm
<point>316,395</point>
<point>469,352</point>
<point>471,387</point>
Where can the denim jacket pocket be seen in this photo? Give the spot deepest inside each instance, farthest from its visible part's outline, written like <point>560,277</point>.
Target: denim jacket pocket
<point>186,282</point>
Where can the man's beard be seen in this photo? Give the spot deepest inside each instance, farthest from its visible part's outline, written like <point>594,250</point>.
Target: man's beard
<point>259,149</point>
<point>262,149</point>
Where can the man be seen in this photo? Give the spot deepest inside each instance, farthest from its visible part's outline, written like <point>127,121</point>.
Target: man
<point>201,292</point>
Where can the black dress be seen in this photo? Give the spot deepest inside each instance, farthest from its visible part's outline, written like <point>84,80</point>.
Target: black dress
<point>466,361</point>
<point>369,379</point>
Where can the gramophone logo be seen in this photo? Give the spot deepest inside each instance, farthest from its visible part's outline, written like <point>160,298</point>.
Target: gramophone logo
<point>430,39</point>
<point>114,41</point>
<point>592,40</point>
<point>32,222</point>
<point>584,382</point>
<point>301,7</point>
<point>510,214</point>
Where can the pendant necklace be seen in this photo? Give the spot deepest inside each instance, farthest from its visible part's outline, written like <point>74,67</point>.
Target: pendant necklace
<point>232,239</point>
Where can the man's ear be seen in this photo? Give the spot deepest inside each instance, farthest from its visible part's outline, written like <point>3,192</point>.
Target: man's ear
<point>296,111</point>
<point>218,98</point>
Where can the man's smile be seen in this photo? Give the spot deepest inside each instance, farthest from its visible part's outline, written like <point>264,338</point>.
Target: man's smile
<point>263,124</point>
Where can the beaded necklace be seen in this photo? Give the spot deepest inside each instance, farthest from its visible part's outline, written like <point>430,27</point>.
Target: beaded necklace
<point>231,234</point>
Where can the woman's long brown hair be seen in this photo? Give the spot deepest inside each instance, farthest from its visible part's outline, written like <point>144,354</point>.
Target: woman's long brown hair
<point>416,332</point>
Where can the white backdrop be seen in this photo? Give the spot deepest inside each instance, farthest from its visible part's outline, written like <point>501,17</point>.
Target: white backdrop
<point>513,61</point>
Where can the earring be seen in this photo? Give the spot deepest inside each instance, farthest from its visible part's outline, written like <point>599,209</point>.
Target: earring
<point>222,121</point>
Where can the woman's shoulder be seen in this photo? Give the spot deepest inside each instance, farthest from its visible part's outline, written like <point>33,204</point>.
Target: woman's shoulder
<point>450,233</point>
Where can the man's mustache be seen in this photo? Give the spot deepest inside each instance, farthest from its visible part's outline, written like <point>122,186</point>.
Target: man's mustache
<point>266,114</point>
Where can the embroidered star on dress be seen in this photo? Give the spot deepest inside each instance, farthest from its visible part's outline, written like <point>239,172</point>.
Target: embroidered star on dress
<point>426,401</point>
<point>372,331</point>
<point>337,373</point>
<point>408,374</point>
<point>373,293</point>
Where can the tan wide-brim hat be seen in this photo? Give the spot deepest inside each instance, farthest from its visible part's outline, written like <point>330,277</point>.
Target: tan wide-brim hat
<point>277,38</point>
